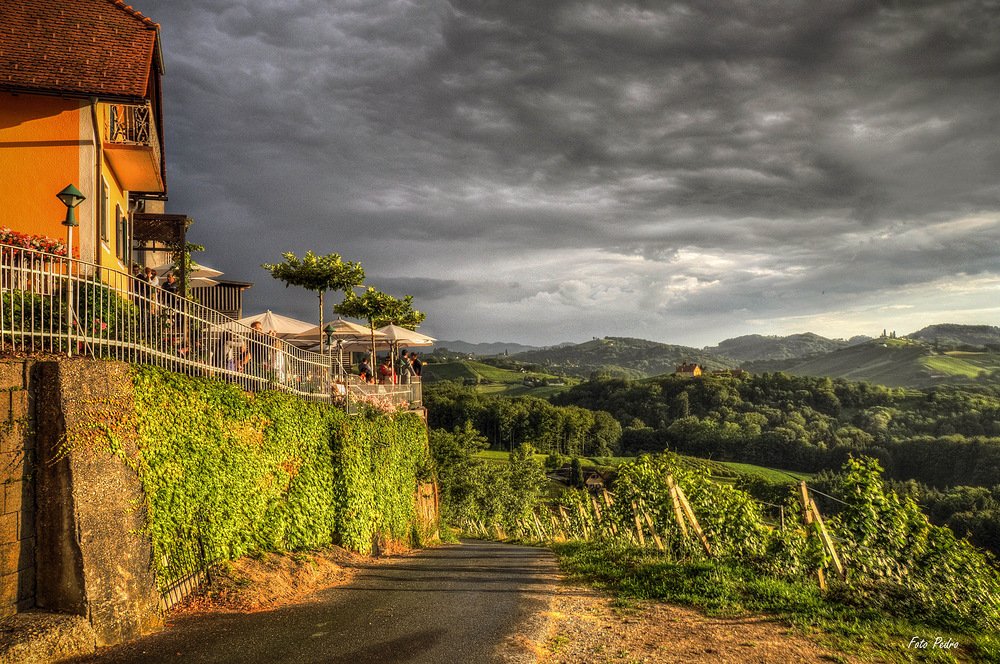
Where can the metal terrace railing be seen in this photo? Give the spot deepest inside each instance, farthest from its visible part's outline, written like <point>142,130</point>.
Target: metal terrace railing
<point>59,305</point>
<point>131,124</point>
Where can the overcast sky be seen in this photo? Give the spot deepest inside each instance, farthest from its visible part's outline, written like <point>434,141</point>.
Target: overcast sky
<point>552,171</point>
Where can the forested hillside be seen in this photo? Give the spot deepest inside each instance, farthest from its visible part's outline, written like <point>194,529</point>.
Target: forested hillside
<point>757,347</point>
<point>944,436</point>
<point>621,356</point>
<point>935,355</point>
<point>904,363</point>
<point>507,422</point>
<point>948,334</point>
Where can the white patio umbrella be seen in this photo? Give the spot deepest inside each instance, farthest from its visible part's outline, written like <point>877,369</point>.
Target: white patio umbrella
<point>362,345</point>
<point>198,271</point>
<point>339,329</point>
<point>282,326</point>
<point>403,338</point>
<point>400,337</point>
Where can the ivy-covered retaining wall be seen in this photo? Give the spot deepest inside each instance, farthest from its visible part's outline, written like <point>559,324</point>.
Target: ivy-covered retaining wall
<point>269,471</point>
<point>141,461</point>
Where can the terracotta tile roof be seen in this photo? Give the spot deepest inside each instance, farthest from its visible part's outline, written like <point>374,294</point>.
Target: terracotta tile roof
<point>85,47</point>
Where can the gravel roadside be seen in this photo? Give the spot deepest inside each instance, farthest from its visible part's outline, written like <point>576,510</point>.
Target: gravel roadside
<point>588,629</point>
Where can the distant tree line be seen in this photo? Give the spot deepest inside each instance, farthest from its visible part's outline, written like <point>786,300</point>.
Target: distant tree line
<point>507,422</point>
<point>944,437</point>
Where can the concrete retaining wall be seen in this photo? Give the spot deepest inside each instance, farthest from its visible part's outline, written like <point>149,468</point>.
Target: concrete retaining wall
<point>92,557</point>
<point>84,506</point>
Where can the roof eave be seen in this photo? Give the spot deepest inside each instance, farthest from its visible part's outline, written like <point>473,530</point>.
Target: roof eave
<point>73,94</point>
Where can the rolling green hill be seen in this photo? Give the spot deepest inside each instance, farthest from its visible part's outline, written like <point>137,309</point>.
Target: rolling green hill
<point>910,361</point>
<point>494,348</point>
<point>900,363</point>
<point>957,335</point>
<point>757,347</point>
<point>634,358</point>
<point>494,380</point>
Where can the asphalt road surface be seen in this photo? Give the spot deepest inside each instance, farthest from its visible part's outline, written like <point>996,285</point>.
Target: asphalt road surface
<point>469,603</point>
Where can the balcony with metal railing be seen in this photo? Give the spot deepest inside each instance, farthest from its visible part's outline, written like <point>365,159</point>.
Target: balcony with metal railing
<point>55,305</point>
<point>132,144</point>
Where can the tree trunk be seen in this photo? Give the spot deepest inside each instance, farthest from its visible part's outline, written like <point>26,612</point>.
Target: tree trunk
<point>321,323</point>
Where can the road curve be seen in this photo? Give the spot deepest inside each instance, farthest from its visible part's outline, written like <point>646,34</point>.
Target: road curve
<point>476,602</point>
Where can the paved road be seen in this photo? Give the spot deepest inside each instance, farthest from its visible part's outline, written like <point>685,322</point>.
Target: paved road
<point>469,603</point>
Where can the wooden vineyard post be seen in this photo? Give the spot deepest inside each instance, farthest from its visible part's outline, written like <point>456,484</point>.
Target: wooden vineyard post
<point>564,520</point>
<point>638,524</point>
<point>600,517</point>
<point>828,542</point>
<point>557,531</point>
<point>675,501</point>
<point>649,522</point>
<point>583,521</point>
<point>497,526</point>
<point>538,526</point>
<point>686,506</point>
<point>608,503</point>
<point>807,510</point>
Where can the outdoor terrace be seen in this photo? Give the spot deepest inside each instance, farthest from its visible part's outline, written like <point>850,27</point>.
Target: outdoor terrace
<point>51,304</point>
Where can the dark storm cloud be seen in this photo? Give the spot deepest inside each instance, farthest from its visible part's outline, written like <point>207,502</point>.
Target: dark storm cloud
<point>700,158</point>
<point>421,288</point>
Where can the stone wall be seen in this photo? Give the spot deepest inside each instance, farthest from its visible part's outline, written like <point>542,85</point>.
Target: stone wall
<point>17,491</point>
<point>92,553</point>
<point>69,519</point>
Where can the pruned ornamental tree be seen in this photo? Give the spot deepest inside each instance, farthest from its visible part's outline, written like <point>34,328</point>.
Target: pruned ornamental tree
<point>318,274</point>
<point>181,256</point>
<point>380,309</point>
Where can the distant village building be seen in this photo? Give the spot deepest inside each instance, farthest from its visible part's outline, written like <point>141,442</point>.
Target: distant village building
<point>687,370</point>
<point>730,372</point>
<point>226,296</point>
<point>593,480</point>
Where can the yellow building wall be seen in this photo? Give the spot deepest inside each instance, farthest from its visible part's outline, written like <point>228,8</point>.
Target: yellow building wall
<point>47,143</point>
<point>116,197</point>
<point>39,155</point>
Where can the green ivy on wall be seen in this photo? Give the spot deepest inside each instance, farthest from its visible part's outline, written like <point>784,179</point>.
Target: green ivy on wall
<point>265,471</point>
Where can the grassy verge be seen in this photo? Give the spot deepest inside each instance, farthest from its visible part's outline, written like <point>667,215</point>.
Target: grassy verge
<point>771,474</point>
<point>716,468</point>
<point>886,629</point>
